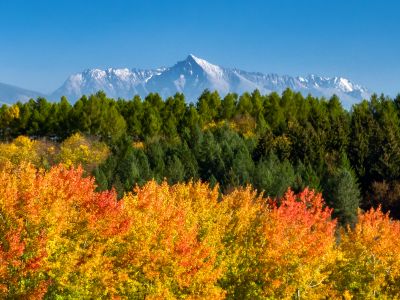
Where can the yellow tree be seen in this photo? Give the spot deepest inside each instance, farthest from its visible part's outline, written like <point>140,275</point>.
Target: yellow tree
<point>22,149</point>
<point>174,248</point>
<point>243,241</point>
<point>278,251</point>
<point>369,264</point>
<point>80,150</point>
<point>81,227</point>
<point>40,153</point>
<point>8,114</point>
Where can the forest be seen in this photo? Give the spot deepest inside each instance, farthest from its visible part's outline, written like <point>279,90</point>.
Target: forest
<point>241,197</point>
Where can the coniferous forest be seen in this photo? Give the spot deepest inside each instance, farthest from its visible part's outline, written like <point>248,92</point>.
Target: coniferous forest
<point>242,197</point>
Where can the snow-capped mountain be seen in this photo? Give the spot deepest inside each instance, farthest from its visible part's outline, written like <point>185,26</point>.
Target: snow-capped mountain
<point>123,83</point>
<point>193,75</point>
<point>11,94</point>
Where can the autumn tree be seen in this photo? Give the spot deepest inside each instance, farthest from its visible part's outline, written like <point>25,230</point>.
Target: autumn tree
<point>57,231</point>
<point>368,266</point>
<point>21,149</point>
<point>174,247</point>
<point>80,150</point>
<point>299,247</point>
<point>22,238</point>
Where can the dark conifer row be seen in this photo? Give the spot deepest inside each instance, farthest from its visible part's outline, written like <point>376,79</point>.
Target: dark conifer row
<point>269,141</point>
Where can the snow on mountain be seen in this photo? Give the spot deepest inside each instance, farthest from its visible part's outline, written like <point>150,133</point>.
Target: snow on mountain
<point>194,74</point>
<point>191,77</point>
<point>115,83</point>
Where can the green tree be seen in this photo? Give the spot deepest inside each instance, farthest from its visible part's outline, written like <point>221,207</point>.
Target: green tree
<point>228,107</point>
<point>208,106</point>
<point>132,111</point>
<point>273,176</point>
<point>343,195</point>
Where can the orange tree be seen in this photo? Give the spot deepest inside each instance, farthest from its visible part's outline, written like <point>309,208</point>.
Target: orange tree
<point>59,238</point>
<point>22,239</point>
<point>55,230</point>
<point>299,247</point>
<point>62,239</point>
<point>278,251</point>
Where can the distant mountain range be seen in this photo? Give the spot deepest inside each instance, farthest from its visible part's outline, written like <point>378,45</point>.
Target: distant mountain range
<point>10,94</point>
<point>191,77</point>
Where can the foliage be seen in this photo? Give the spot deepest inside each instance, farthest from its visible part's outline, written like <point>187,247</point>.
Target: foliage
<point>369,260</point>
<point>228,140</point>
<point>60,238</point>
<point>78,150</point>
<point>192,139</point>
<point>174,244</point>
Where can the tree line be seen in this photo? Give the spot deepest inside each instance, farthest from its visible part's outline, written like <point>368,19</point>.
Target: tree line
<point>62,239</point>
<point>270,141</point>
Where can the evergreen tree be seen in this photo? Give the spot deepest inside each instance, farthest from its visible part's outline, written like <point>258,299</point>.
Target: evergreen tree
<point>174,170</point>
<point>228,107</point>
<point>274,177</point>
<point>343,195</point>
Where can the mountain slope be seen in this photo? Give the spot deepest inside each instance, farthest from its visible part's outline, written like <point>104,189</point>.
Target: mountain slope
<point>191,77</point>
<point>116,83</point>
<point>11,94</point>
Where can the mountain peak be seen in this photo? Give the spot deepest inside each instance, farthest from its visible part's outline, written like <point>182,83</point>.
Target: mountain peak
<point>213,71</point>
<point>191,77</point>
<point>191,57</point>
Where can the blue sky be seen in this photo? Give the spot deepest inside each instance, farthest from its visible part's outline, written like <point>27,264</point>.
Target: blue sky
<point>44,41</point>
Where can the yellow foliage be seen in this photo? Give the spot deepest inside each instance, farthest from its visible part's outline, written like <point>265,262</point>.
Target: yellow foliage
<point>210,125</point>
<point>79,150</point>
<point>243,243</point>
<point>60,239</point>
<point>275,252</point>
<point>138,145</point>
<point>13,112</point>
<point>22,149</point>
<point>75,150</point>
<point>245,124</point>
<point>175,241</point>
<point>369,263</point>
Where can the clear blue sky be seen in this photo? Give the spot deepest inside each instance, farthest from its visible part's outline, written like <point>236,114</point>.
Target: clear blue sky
<point>43,41</point>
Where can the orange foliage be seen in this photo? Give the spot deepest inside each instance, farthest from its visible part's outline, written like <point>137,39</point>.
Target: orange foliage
<point>277,251</point>
<point>49,221</point>
<point>299,247</point>
<point>22,250</point>
<point>59,238</point>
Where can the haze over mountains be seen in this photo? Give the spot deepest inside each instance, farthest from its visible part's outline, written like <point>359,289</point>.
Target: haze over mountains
<point>191,77</point>
<point>10,93</point>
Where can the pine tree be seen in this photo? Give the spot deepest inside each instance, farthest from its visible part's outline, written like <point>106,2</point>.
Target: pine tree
<point>343,195</point>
